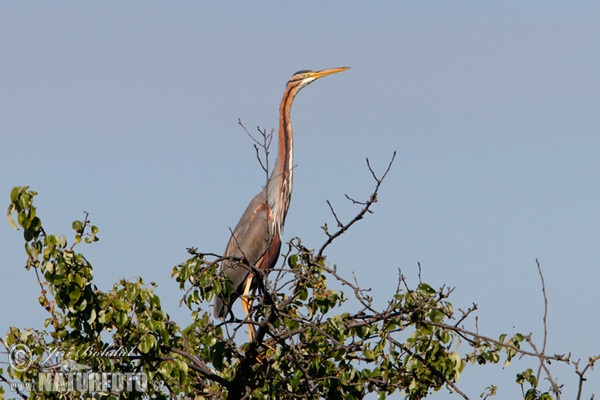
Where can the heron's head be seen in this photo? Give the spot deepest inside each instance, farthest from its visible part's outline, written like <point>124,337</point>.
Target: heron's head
<point>305,77</point>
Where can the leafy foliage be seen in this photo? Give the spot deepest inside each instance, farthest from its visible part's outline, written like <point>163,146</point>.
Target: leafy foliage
<point>303,347</point>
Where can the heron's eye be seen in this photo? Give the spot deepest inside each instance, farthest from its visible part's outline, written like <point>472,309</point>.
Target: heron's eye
<point>304,76</point>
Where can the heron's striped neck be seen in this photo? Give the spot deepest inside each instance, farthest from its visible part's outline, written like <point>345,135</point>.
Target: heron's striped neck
<point>281,178</point>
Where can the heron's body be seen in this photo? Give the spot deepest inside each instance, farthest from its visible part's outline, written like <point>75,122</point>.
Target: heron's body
<point>257,236</point>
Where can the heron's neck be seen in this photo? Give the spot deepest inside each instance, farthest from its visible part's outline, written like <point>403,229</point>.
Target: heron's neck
<point>281,177</point>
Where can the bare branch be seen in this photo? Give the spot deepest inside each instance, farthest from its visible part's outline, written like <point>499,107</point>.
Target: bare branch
<point>354,201</point>
<point>465,314</point>
<point>536,354</point>
<point>367,205</point>
<point>259,145</point>
<point>581,374</point>
<point>14,388</point>
<point>337,220</point>
<point>251,136</point>
<point>545,338</point>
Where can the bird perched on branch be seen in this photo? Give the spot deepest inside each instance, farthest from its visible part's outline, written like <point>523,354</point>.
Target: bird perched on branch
<point>257,237</point>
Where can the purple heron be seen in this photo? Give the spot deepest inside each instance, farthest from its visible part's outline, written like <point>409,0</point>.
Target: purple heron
<point>257,236</point>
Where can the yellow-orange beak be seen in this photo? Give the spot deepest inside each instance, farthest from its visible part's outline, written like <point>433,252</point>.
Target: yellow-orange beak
<point>325,72</point>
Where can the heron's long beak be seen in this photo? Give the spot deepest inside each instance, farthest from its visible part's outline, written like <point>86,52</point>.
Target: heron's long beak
<point>325,72</point>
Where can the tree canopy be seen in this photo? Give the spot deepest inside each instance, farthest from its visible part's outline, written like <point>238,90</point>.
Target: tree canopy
<point>304,347</point>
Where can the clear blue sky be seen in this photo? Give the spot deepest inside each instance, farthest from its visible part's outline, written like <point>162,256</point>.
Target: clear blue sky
<point>129,111</point>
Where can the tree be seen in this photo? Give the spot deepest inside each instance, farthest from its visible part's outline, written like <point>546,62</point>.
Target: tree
<point>303,347</point>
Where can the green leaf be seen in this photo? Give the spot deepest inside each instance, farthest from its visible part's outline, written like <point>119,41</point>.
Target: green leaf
<point>218,354</point>
<point>147,343</point>
<point>36,224</point>
<point>77,225</point>
<point>293,261</point>
<point>436,316</point>
<point>217,286</point>
<point>14,194</point>
<point>426,289</point>
<point>28,235</point>
<point>11,221</point>
<point>74,294</point>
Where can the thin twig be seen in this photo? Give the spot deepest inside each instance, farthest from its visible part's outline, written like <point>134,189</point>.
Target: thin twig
<point>337,220</point>
<point>14,388</point>
<point>581,374</point>
<point>536,354</point>
<point>259,145</point>
<point>255,140</point>
<point>539,268</point>
<point>367,205</point>
<point>465,314</point>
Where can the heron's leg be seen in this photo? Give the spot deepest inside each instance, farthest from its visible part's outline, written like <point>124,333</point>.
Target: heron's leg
<point>247,304</point>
